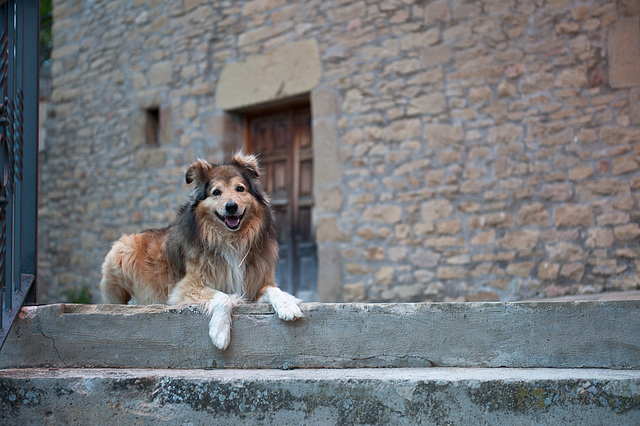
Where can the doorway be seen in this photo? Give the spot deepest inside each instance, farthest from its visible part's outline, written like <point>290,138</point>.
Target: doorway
<point>282,139</point>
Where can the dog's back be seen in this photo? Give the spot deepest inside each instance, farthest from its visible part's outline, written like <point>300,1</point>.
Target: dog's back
<point>137,265</point>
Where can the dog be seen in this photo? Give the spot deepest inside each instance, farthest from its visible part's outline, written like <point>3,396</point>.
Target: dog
<point>220,249</point>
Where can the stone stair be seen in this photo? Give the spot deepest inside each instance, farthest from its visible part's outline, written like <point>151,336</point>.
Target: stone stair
<point>575,362</point>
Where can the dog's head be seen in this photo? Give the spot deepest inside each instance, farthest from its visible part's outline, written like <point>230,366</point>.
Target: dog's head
<point>229,193</point>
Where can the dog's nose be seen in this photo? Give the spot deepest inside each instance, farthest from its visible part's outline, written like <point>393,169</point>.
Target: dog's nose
<point>231,207</point>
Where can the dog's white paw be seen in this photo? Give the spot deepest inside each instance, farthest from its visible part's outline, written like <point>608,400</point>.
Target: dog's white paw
<point>219,307</point>
<point>220,334</point>
<point>285,305</point>
<point>289,312</point>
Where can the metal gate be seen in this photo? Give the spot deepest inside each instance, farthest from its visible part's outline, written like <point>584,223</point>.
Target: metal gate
<point>19,46</point>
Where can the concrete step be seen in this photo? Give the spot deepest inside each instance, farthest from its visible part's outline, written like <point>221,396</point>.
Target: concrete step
<point>397,396</point>
<point>591,334</point>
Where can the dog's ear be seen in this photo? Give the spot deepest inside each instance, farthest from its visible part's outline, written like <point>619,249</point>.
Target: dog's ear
<point>198,172</point>
<point>246,162</point>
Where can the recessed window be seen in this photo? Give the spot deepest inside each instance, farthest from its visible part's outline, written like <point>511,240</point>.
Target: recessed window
<point>152,126</point>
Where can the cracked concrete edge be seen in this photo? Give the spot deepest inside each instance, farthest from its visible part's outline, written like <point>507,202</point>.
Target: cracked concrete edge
<point>348,396</point>
<point>524,334</point>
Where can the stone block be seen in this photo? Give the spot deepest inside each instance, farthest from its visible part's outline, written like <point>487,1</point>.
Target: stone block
<point>581,12</point>
<point>627,233</point>
<point>435,55</point>
<point>189,5</point>
<point>615,135</point>
<point>603,188</point>
<point>419,40</point>
<point>389,214</point>
<point>634,105</point>
<point>357,269</point>
<point>425,258</point>
<point>538,82</point>
<point>484,238</point>
<point>346,13</point>
<point>452,272</point>
<point>521,269</point>
<point>448,227</point>
<point>567,27</point>
<point>437,11</point>
<point>328,229</point>
<point>434,103</point>
<point>324,103</point>
<point>328,163</point>
<point>433,210</point>
<point>483,296</point>
<point>599,237</point>
<point>375,253</point>
<point>630,7</point>
<point>571,215</point>
<point>329,273</point>
<point>625,164</point>
<point>498,220</point>
<point>354,292</point>
<point>533,214</point>
<point>385,275</point>
<point>329,199</point>
<point>548,271</point>
<point>556,192</point>
<point>624,52</point>
<point>504,134</point>
<point>401,130</point>
<point>572,78</point>
<point>479,94</point>
<point>525,240</point>
<point>572,271</point>
<point>151,158</point>
<point>287,71</point>
<point>161,73</point>
<point>189,109</point>
<point>581,172</point>
<point>352,101</point>
<point>565,252</point>
<point>442,135</point>
<point>612,218</point>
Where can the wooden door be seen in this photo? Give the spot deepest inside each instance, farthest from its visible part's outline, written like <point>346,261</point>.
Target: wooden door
<point>282,138</point>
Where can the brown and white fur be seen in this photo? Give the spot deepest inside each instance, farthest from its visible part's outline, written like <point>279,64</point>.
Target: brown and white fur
<point>222,246</point>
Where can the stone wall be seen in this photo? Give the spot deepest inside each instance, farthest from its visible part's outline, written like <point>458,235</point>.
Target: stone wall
<point>477,150</point>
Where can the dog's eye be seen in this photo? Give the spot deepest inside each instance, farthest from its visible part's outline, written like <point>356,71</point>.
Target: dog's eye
<point>216,192</point>
<point>240,189</point>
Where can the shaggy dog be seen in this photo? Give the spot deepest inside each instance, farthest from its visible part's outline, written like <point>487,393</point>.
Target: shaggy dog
<point>221,247</point>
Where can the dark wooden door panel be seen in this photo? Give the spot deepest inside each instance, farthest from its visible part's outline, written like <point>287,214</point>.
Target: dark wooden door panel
<point>283,141</point>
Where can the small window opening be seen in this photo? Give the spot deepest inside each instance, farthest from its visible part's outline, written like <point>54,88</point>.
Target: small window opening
<point>152,129</point>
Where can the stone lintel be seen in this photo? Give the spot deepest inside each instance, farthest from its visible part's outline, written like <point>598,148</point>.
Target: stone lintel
<point>624,53</point>
<point>288,71</point>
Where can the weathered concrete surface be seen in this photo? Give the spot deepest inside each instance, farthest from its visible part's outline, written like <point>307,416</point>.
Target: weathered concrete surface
<point>525,334</point>
<point>345,397</point>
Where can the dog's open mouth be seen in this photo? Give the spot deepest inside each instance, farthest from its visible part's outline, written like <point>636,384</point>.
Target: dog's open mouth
<point>232,222</point>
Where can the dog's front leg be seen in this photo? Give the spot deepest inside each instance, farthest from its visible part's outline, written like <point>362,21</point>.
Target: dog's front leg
<point>219,307</point>
<point>285,305</point>
<point>215,303</point>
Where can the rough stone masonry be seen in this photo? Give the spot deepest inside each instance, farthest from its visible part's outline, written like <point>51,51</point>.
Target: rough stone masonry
<point>480,150</point>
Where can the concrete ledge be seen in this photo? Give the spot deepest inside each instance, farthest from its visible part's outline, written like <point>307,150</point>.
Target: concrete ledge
<point>525,334</point>
<point>351,396</point>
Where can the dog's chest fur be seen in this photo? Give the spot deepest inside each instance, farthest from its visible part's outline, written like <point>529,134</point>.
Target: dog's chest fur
<point>223,271</point>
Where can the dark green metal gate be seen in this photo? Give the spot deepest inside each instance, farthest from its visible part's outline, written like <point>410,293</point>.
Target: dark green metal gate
<point>19,30</point>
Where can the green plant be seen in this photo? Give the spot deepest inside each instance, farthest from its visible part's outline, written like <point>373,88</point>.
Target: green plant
<point>46,20</point>
<point>78,295</point>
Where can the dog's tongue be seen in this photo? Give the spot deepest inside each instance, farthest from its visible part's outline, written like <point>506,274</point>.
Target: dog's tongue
<point>232,221</point>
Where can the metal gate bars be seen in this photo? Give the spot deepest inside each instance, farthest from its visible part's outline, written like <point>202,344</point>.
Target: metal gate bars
<point>19,30</point>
